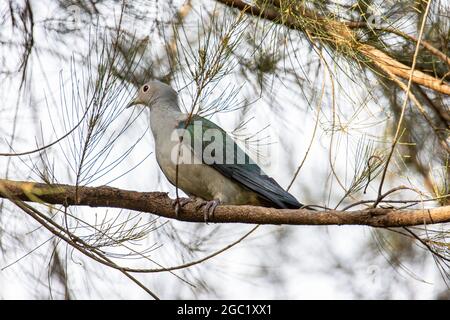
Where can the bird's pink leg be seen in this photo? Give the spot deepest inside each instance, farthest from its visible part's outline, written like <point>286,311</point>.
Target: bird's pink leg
<point>209,208</point>
<point>179,203</point>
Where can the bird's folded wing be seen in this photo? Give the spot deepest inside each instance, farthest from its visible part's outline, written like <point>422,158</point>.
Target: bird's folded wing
<point>247,172</point>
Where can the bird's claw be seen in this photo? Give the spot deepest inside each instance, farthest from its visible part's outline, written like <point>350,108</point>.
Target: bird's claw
<point>208,209</point>
<point>179,203</point>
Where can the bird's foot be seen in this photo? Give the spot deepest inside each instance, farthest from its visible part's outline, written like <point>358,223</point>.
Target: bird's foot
<point>179,203</point>
<point>208,208</point>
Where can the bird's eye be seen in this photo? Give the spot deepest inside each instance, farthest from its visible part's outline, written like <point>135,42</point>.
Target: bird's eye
<point>145,88</point>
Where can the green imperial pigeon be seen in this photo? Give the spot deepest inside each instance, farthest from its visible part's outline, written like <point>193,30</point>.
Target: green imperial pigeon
<point>214,169</point>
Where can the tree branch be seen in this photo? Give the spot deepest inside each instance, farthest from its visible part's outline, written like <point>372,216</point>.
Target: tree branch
<point>160,204</point>
<point>338,34</point>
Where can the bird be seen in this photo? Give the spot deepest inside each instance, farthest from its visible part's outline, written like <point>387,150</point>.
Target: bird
<point>204,178</point>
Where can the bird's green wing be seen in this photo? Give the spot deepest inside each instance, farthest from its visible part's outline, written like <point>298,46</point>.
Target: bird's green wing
<point>231,161</point>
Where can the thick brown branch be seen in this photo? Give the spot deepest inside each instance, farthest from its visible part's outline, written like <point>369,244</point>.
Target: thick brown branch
<point>338,34</point>
<point>160,204</point>
<point>390,65</point>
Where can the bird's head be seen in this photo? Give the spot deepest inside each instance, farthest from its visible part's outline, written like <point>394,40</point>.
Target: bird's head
<point>154,92</point>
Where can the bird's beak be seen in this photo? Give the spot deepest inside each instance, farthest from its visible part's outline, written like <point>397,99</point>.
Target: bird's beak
<point>131,103</point>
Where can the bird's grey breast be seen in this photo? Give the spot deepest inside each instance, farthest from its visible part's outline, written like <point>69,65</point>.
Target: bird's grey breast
<point>163,128</point>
